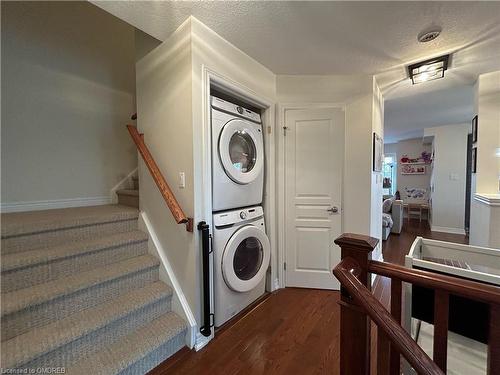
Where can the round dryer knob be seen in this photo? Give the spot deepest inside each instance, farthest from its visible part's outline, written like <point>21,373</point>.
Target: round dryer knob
<point>240,110</point>
<point>243,214</point>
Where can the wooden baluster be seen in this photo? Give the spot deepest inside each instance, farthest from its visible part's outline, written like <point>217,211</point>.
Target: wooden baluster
<point>396,297</point>
<point>494,341</point>
<point>441,313</point>
<point>383,352</point>
<point>354,323</point>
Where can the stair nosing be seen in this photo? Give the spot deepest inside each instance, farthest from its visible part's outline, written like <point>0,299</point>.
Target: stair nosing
<point>157,290</point>
<point>69,250</point>
<point>133,355</point>
<point>104,274</point>
<point>45,226</point>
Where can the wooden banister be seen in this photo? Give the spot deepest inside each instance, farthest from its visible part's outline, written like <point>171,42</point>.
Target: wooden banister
<point>176,210</point>
<point>453,285</point>
<point>346,272</point>
<point>358,306</point>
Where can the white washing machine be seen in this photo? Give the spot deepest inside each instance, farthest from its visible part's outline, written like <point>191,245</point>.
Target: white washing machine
<point>241,257</point>
<point>237,156</point>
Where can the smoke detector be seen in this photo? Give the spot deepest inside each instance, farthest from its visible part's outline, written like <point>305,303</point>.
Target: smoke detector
<point>428,35</point>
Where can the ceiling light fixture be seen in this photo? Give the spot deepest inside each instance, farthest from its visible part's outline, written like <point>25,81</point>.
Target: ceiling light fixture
<point>428,70</point>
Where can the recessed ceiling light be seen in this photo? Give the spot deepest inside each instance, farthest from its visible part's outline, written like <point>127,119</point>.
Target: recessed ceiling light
<point>428,70</point>
<point>428,35</point>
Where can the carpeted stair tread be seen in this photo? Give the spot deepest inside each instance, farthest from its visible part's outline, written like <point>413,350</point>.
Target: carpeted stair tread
<point>131,192</point>
<point>24,223</point>
<point>39,341</point>
<point>33,257</point>
<point>27,297</point>
<point>127,351</point>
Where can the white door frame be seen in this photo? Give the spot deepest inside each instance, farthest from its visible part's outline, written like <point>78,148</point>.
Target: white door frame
<point>280,183</point>
<point>211,77</point>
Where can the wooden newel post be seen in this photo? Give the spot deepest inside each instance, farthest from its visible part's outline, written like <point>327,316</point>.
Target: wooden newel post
<point>354,323</point>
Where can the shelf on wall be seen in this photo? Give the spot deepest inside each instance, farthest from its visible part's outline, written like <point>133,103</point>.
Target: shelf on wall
<point>416,163</point>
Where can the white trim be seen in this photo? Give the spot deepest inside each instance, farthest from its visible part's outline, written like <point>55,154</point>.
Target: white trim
<point>280,185</point>
<point>201,341</point>
<point>489,199</point>
<point>125,183</point>
<point>435,228</point>
<point>179,302</point>
<point>54,203</point>
<point>211,77</point>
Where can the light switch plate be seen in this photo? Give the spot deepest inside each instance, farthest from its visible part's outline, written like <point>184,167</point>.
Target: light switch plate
<point>182,180</point>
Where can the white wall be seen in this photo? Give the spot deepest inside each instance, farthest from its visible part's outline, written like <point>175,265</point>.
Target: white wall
<point>413,148</point>
<point>170,101</point>
<point>449,177</point>
<point>364,110</point>
<point>485,206</point>
<point>68,87</point>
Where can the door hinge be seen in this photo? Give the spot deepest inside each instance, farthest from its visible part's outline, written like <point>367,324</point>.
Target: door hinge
<point>284,266</point>
<point>285,128</point>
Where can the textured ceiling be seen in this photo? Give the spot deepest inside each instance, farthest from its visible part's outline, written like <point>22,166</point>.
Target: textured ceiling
<point>407,117</point>
<point>347,38</point>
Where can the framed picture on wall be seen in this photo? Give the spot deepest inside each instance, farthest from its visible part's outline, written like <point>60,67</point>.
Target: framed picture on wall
<point>377,153</point>
<point>412,169</point>
<point>474,159</point>
<point>474,129</point>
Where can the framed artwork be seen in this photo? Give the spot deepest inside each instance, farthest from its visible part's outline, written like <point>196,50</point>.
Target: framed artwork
<point>474,129</point>
<point>377,153</point>
<point>474,159</point>
<point>412,169</point>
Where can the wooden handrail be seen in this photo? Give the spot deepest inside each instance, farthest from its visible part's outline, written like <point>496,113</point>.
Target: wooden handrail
<point>179,215</point>
<point>346,272</point>
<point>453,285</point>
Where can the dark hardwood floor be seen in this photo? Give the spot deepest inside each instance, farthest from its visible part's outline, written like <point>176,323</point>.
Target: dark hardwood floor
<point>293,331</point>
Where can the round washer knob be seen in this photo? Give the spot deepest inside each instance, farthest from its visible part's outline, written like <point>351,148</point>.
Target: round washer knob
<point>243,214</point>
<point>240,110</point>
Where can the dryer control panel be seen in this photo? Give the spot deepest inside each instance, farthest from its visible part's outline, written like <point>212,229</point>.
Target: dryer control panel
<point>237,216</point>
<point>235,109</point>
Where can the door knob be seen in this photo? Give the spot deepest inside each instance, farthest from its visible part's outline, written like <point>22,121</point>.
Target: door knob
<point>333,210</point>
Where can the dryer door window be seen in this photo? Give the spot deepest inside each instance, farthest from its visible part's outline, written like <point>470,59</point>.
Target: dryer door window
<point>241,151</point>
<point>245,258</point>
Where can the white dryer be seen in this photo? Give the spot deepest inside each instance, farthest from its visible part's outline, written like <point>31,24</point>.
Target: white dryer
<point>241,258</point>
<point>237,156</point>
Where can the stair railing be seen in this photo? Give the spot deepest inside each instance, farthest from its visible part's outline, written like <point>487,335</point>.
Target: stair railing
<point>167,194</point>
<point>359,306</point>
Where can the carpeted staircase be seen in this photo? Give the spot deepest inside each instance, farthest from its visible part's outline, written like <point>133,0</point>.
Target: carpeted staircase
<point>80,291</point>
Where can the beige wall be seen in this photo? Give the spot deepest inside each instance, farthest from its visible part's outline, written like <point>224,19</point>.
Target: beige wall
<point>485,213</point>
<point>68,83</point>
<point>449,177</point>
<point>413,148</point>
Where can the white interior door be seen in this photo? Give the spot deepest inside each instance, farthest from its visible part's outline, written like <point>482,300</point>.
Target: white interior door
<point>314,157</point>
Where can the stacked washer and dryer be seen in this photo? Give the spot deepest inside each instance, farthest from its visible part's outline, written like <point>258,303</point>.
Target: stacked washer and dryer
<point>240,245</point>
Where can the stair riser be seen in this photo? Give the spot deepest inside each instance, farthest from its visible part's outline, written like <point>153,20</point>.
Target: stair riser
<point>157,356</point>
<point>42,273</point>
<point>18,322</point>
<point>99,339</point>
<point>128,200</point>
<point>57,237</point>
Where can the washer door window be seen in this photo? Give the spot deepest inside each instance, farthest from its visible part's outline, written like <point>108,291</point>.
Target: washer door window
<point>241,151</point>
<point>245,258</point>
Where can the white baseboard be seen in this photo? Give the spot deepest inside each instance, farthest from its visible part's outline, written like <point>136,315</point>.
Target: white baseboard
<point>201,341</point>
<point>54,203</point>
<point>435,228</point>
<point>125,183</point>
<point>179,302</point>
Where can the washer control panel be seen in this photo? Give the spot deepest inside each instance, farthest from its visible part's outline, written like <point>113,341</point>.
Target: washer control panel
<point>237,216</point>
<point>235,109</point>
